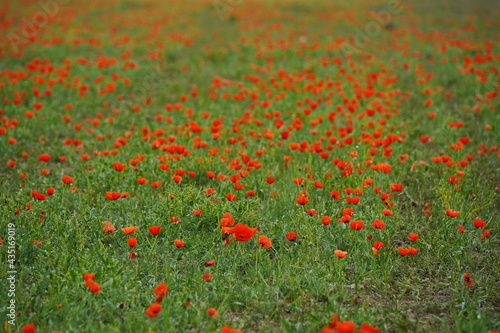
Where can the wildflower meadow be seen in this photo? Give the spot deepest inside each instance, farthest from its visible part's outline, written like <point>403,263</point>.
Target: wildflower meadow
<point>249,166</point>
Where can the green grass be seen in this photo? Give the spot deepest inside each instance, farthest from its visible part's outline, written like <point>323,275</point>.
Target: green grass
<point>294,286</point>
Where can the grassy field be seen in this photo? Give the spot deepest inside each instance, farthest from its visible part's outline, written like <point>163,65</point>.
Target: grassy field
<point>249,165</point>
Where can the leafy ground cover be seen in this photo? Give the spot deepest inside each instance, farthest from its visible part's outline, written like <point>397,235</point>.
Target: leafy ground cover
<point>256,166</point>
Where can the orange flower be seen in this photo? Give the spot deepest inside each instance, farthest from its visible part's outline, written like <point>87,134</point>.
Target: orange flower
<point>227,329</point>
<point>179,243</point>
<point>44,157</point>
<point>292,235</point>
<point>142,181</point>
<point>326,220</point>
<point>153,310</point>
<point>403,251</point>
<point>108,226</point>
<point>468,280</point>
<point>156,184</point>
<point>155,230</point>
<point>30,328</point>
<point>174,219</point>
<point>243,232</point>
<point>197,212</point>
<point>207,277</point>
<point>413,237</point>
<point>378,245</point>
<point>50,190</point>
<point>132,241</point>
<point>212,313</point>
<point>452,213</point>
<point>38,195</point>
<point>340,253</point>
<point>478,223</point>
<point>119,166</point>
<point>94,287</point>
<point>413,251</point>
<point>396,187</point>
<point>177,179</point>
<point>265,242</point>
<point>129,230</point>
<point>113,195</point>
<point>161,290</point>
<point>302,200</point>
<point>230,197</point>
<point>378,224</point>
<point>357,225</point>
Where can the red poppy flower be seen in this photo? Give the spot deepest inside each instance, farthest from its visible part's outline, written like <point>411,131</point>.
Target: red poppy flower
<point>155,230</point>
<point>478,223</point>
<point>174,219</point>
<point>396,187</point>
<point>197,212</point>
<point>378,224</point>
<point>302,200</point>
<point>468,280</point>
<point>243,232</point>
<point>227,329</point>
<point>179,243</point>
<point>44,157</point>
<point>119,166</point>
<point>132,241</point>
<point>413,251</point>
<point>209,263</point>
<point>230,197</point>
<point>378,245</point>
<point>50,190</point>
<point>142,181</point>
<point>340,253</point>
<point>113,195</point>
<point>161,290</point>
<point>452,213</point>
<point>212,312</point>
<point>153,310</point>
<point>129,230</point>
<point>311,212</point>
<point>403,251</point>
<point>177,179</point>
<point>207,277</point>
<point>292,235</point>
<point>156,184</point>
<point>413,237</point>
<point>326,220</point>
<point>30,328</point>
<point>38,195</point>
<point>108,226</point>
<point>265,242</point>
<point>357,225</point>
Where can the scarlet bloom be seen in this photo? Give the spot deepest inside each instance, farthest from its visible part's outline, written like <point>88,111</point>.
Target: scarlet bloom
<point>50,190</point>
<point>44,157</point>
<point>250,193</point>
<point>478,223</point>
<point>207,277</point>
<point>113,195</point>
<point>94,287</point>
<point>396,187</point>
<point>403,251</point>
<point>119,166</point>
<point>129,230</point>
<point>179,243</point>
<point>212,313</point>
<point>153,310</point>
<point>243,232</point>
<point>132,241</point>
<point>197,212</point>
<point>108,226</point>
<point>38,195</point>
<point>413,237</point>
<point>227,329</point>
<point>357,225</point>
<point>452,213</point>
<point>468,280</point>
<point>292,235</point>
<point>311,212</point>
<point>378,245</point>
<point>177,179</point>
<point>67,180</point>
<point>209,263</point>
<point>142,181</point>
<point>155,230</point>
<point>174,219</point>
<point>378,224</point>
<point>387,212</point>
<point>340,253</point>
<point>302,200</point>
<point>413,251</point>
<point>30,328</point>
<point>326,220</point>
<point>161,290</point>
<point>265,242</point>
<point>156,184</point>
